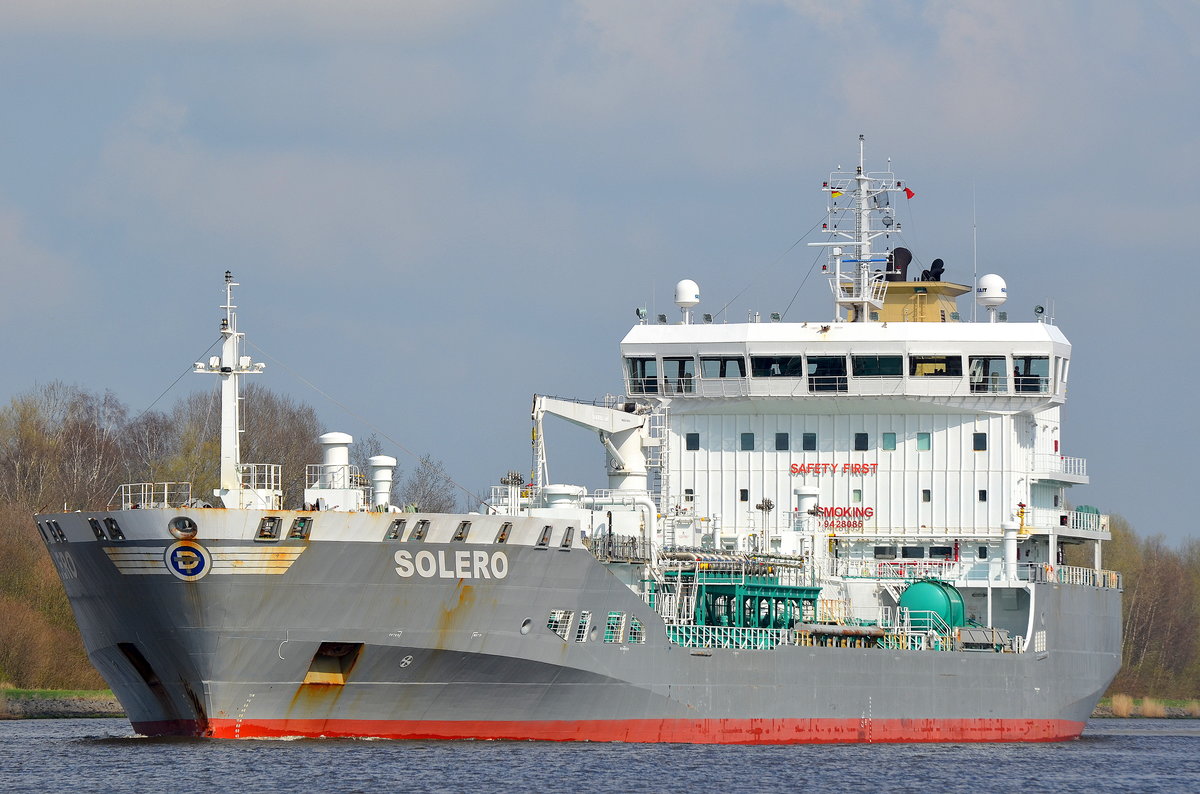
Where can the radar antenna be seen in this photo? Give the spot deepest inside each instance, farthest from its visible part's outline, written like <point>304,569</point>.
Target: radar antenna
<point>867,213</point>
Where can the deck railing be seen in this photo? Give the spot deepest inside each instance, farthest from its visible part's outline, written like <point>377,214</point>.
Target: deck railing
<point>1060,464</point>
<point>1075,520</point>
<point>976,572</point>
<point>147,495</point>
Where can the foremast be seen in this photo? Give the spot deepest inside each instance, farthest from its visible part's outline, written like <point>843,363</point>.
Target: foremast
<point>230,366</point>
<point>860,289</point>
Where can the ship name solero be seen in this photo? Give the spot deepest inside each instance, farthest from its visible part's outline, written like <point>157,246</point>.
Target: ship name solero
<point>452,564</point>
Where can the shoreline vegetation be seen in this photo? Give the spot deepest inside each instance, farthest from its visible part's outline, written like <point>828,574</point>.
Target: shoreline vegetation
<point>17,704</point>
<point>64,447</point>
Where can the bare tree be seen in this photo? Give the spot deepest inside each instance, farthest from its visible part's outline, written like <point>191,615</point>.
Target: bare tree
<point>367,448</point>
<point>429,488</point>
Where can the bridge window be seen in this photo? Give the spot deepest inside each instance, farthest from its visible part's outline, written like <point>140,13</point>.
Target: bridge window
<point>1031,374</point>
<point>913,552</point>
<point>924,442</point>
<point>935,366</point>
<point>680,375</point>
<point>979,442</point>
<point>941,552</point>
<point>926,495</point>
<point>747,442</point>
<point>989,375</point>
<point>692,441</point>
<point>725,367</point>
<point>983,494</point>
<point>885,552</point>
<point>861,442</point>
<point>827,373</point>
<point>777,366</point>
<point>743,494</point>
<point>782,442</point>
<point>643,376</point>
<point>889,441</point>
<point>809,442</point>
<point>877,366</point>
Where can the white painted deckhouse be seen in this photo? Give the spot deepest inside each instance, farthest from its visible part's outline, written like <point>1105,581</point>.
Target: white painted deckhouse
<point>891,431</point>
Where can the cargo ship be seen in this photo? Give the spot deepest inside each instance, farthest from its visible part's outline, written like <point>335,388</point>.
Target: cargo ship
<point>851,529</point>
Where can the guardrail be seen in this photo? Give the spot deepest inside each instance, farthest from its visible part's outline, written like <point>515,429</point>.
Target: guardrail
<point>1060,464</point>
<point>974,571</point>
<point>1049,518</point>
<point>147,495</point>
<point>618,548</point>
<point>334,475</point>
<point>729,637</point>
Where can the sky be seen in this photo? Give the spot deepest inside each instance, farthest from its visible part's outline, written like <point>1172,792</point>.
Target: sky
<point>436,209</point>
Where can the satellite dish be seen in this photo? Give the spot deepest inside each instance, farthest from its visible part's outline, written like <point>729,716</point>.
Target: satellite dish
<point>687,294</point>
<point>991,291</point>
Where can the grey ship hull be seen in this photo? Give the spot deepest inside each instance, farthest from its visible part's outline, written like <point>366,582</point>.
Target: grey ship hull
<point>449,656</point>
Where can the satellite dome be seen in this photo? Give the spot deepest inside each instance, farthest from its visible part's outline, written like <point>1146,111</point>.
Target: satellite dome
<point>991,290</point>
<point>687,294</point>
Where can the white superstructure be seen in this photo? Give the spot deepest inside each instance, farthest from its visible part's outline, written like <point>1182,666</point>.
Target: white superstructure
<point>892,434</point>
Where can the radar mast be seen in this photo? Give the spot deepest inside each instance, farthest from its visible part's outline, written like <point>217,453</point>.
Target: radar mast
<point>866,213</point>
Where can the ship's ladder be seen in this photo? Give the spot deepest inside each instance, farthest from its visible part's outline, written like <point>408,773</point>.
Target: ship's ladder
<point>891,589</point>
<point>658,466</point>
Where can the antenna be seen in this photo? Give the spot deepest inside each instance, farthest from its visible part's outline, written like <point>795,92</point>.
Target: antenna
<point>974,254</point>
<point>230,366</point>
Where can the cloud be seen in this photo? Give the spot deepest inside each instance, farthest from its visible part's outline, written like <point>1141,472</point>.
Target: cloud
<point>31,269</point>
<point>308,209</point>
<point>234,20</point>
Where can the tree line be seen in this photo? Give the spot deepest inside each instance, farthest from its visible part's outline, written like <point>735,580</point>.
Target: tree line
<point>65,448</point>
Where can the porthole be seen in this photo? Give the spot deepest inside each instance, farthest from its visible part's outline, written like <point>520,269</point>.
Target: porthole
<point>182,527</point>
<point>526,625</point>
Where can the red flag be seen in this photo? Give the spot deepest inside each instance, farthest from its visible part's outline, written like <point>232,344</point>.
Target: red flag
<point>908,193</point>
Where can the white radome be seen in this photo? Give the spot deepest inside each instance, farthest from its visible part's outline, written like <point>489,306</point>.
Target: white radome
<point>687,294</point>
<point>991,290</point>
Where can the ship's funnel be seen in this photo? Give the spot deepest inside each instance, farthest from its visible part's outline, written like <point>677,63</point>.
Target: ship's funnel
<point>381,468</point>
<point>335,469</point>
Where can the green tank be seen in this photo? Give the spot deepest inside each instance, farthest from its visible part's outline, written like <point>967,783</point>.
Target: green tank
<point>930,595</point>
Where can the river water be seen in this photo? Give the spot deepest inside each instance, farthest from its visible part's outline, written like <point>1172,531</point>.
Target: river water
<point>105,755</point>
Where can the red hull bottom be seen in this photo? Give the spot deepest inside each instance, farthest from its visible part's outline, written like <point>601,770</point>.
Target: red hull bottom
<point>717,731</point>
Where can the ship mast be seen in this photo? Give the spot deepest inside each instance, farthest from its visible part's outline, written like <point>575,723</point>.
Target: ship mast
<point>862,288</point>
<point>230,366</point>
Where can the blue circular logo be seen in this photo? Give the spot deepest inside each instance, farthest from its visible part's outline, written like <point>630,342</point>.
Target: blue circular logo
<point>187,560</point>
